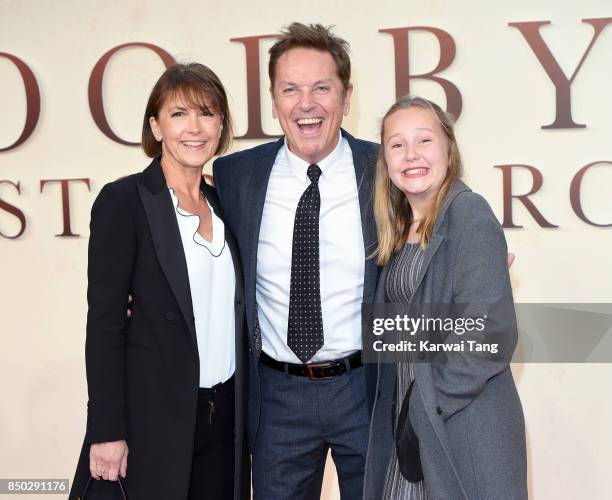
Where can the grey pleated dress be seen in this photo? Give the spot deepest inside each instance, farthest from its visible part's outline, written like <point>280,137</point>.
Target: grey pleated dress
<point>401,281</point>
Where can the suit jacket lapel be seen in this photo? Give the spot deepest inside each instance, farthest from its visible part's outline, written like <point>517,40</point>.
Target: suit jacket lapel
<point>259,185</point>
<point>211,196</point>
<point>167,238</point>
<point>364,174</point>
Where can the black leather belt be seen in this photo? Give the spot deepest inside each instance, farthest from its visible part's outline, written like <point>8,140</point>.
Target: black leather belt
<point>314,371</point>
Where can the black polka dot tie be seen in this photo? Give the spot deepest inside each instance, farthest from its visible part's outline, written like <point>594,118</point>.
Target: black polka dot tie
<point>305,329</point>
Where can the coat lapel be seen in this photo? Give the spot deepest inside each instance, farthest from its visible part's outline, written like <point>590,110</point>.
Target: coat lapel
<point>437,237</point>
<point>432,247</point>
<point>166,237</point>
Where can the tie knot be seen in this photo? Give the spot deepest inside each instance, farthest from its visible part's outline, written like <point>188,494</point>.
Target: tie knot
<point>314,172</point>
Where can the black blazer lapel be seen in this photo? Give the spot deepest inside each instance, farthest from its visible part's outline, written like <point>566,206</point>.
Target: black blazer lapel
<point>166,237</point>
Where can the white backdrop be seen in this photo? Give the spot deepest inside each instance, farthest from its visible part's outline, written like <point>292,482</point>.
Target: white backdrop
<point>507,98</point>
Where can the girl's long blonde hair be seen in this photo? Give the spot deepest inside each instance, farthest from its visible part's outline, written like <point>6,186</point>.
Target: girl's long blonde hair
<point>391,208</point>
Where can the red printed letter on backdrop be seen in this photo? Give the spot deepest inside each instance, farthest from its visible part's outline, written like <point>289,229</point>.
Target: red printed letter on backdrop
<point>523,198</point>
<point>96,104</point>
<point>32,100</point>
<point>251,47</point>
<point>12,209</point>
<point>575,193</point>
<point>563,85</point>
<point>65,201</point>
<point>454,101</point>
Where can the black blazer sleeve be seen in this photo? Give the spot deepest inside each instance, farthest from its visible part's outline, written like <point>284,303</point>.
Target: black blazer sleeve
<point>112,250</point>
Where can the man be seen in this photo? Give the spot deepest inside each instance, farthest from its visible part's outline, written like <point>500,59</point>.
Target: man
<point>300,209</point>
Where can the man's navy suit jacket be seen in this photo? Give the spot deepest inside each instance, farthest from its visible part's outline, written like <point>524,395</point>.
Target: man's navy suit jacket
<point>241,180</point>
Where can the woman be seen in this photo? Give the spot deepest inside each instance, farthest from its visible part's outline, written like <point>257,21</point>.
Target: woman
<point>451,428</point>
<point>166,388</point>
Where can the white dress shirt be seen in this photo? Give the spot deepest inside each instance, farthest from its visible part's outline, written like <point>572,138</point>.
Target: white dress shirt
<point>341,253</point>
<point>213,286</point>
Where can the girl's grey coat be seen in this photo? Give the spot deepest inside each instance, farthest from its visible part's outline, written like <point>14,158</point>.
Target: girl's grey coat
<point>465,410</point>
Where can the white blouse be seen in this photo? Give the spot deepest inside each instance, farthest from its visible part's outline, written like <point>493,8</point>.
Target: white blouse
<point>212,282</point>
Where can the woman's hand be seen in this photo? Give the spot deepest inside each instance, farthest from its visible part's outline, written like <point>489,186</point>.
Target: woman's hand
<point>107,460</point>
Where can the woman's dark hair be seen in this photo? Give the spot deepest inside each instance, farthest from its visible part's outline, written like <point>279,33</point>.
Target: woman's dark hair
<point>196,85</point>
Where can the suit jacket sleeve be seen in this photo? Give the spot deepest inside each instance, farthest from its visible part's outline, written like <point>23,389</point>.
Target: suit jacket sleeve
<point>112,249</point>
<point>481,281</point>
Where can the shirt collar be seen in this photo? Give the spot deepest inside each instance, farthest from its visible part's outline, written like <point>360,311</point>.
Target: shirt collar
<point>299,167</point>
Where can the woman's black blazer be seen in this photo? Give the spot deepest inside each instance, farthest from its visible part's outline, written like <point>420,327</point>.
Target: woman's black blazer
<point>143,373</point>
